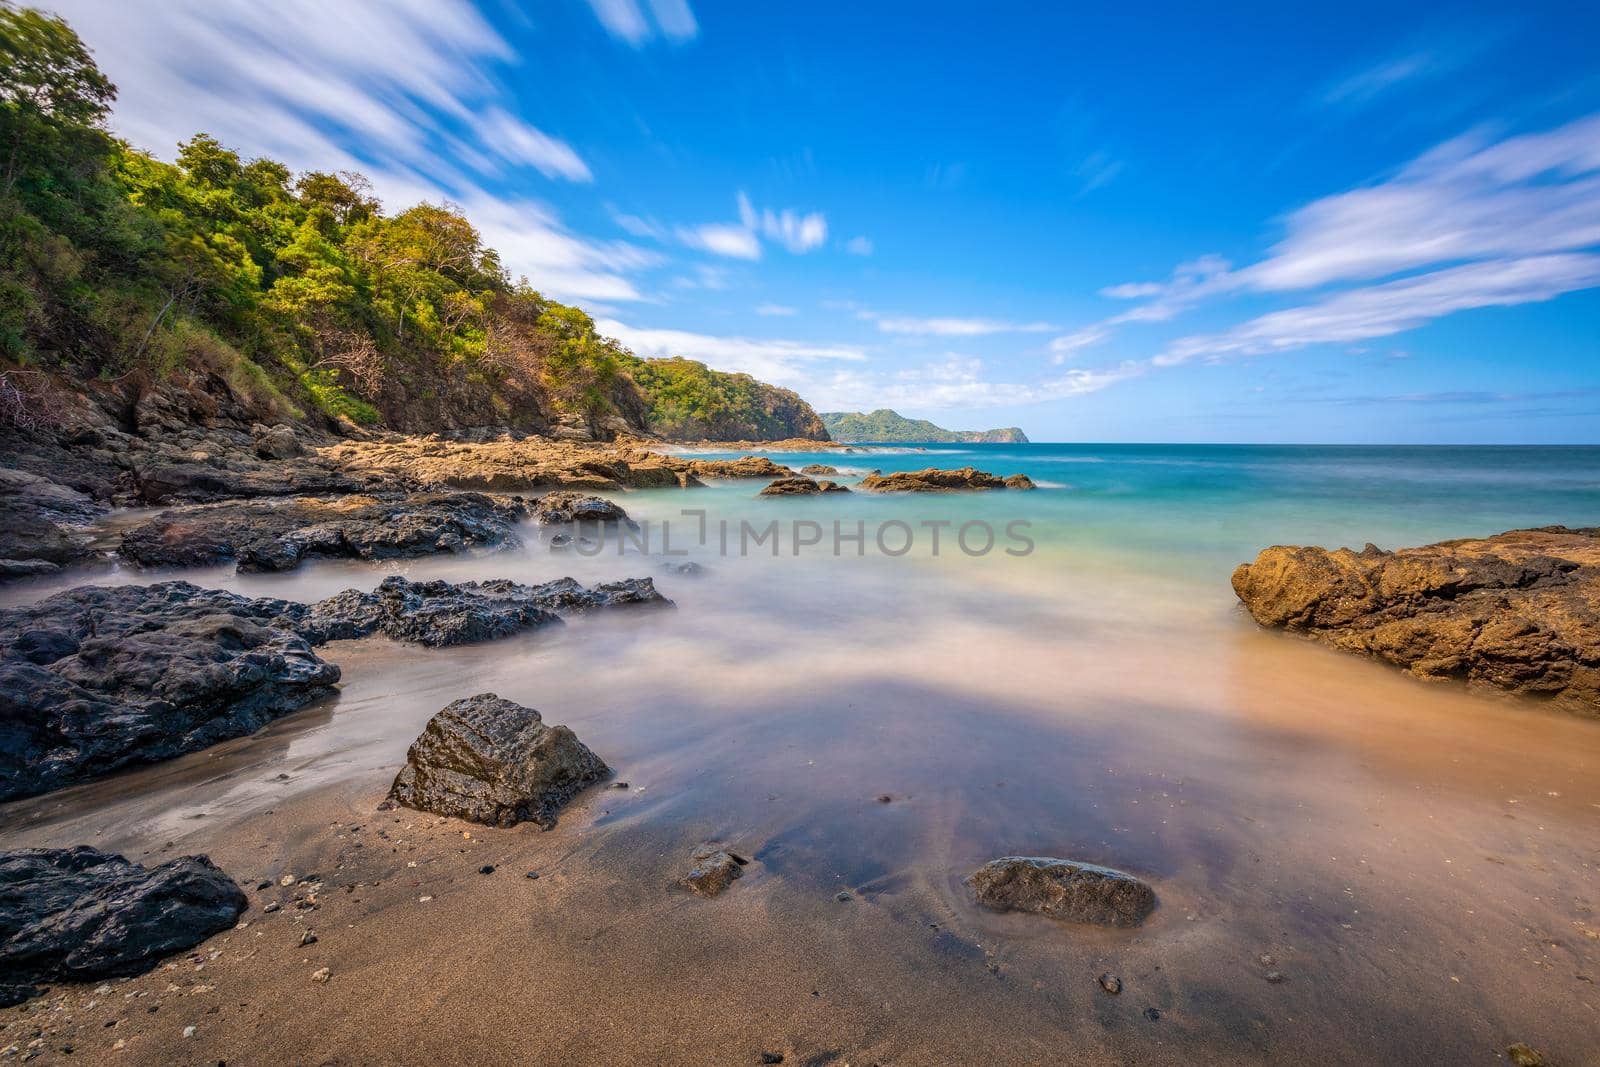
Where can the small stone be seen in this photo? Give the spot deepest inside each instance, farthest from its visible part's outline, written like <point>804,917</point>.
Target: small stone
<point>188,1031</point>
<point>1524,1055</point>
<point>533,874</point>
<point>423,900</point>
<point>321,975</point>
<point>487,868</point>
<point>1111,983</point>
<point>1266,959</point>
<point>884,798</point>
<point>843,897</point>
<point>271,906</point>
<point>712,869</point>
<point>307,938</point>
<point>619,785</point>
<point>772,1057</point>
<point>262,885</point>
<point>1274,977</point>
<point>1152,1014</point>
<point>286,880</point>
<point>387,805</point>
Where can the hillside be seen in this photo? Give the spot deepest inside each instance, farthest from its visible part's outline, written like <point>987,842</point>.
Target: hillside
<point>886,425</point>
<point>235,287</point>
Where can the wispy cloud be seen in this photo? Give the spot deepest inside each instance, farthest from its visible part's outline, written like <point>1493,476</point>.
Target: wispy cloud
<point>774,360</point>
<point>721,239</point>
<point>859,246</point>
<point>626,20</point>
<point>796,232</point>
<point>774,310</point>
<point>1475,223</point>
<point>955,382</point>
<point>938,326</point>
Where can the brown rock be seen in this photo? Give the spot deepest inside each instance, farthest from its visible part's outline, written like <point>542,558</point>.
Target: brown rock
<point>1063,889</point>
<point>1519,611</point>
<point>714,869</point>
<point>937,480</point>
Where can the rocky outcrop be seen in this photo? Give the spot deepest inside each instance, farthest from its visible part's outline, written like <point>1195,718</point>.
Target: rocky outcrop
<point>278,535</point>
<point>712,869</point>
<point>795,485</point>
<point>440,613</point>
<point>818,468</point>
<point>566,506</point>
<point>96,679</point>
<point>506,463</point>
<point>743,467</point>
<point>1063,889</point>
<point>495,762</point>
<point>43,527</point>
<point>1519,611</point>
<point>937,480</point>
<point>76,914</point>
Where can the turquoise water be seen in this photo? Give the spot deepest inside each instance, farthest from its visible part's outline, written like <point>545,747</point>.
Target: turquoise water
<point>1201,509</point>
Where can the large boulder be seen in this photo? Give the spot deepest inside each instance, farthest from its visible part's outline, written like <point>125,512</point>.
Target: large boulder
<point>743,467</point>
<point>76,914</point>
<point>1519,611</point>
<point>99,678</point>
<point>261,535</point>
<point>495,762</point>
<point>440,613</point>
<point>276,442</point>
<point>1063,889</point>
<point>938,480</point>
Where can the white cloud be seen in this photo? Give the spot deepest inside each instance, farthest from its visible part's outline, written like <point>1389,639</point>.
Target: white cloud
<point>1362,86</point>
<point>532,242</point>
<point>778,361</point>
<point>956,382</point>
<point>626,21</point>
<point>774,310</point>
<point>859,246</point>
<point>950,327</point>
<point>516,141</point>
<point>1393,307</point>
<point>721,239</point>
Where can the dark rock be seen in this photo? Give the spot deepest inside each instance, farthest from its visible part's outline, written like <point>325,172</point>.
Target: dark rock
<point>936,480</point>
<point>843,897</point>
<point>1063,889</point>
<point>1111,984</point>
<point>771,1057</point>
<point>487,868</point>
<point>279,535</point>
<point>77,914</point>
<point>99,678</point>
<point>43,524</point>
<point>1519,611</point>
<point>712,869</point>
<point>1153,1014</point>
<point>439,613</point>
<point>687,568</point>
<point>495,762</point>
<point>565,506</point>
<point>532,875</point>
<point>884,798</point>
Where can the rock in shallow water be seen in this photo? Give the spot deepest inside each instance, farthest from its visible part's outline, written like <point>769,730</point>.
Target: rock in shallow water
<point>937,480</point>
<point>96,679</point>
<point>76,914</point>
<point>713,870</point>
<point>439,613</point>
<point>565,506</point>
<point>277,535</point>
<point>495,762</point>
<point>796,485</point>
<point>1519,611</point>
<point>1063,889</point>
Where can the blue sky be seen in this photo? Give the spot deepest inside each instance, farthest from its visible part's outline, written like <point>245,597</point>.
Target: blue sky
<point>1365,223</point>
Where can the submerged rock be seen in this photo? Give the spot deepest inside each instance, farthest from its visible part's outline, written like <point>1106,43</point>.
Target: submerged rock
<point>276,535</point>
<point>566,506</point>
<point>712,870</point>
<point>1519,611</point>
<point>818,468</point>
<point>795,485</point>
<point>99,678</point>
<point>75,914</point>
<point>440,613</point>
<point>743,467</point>
<point>495,762</point>
<point>937,480</point>
<point>1063,889</point>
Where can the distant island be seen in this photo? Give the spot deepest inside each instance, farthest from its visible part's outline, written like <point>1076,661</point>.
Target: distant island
<point>886,425</point>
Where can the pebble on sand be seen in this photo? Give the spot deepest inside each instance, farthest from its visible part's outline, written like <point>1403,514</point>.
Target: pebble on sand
<point>321,975</point>
<point>1111,983</point>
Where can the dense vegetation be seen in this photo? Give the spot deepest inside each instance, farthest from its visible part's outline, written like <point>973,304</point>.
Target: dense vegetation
<point>296,295</point>
<point>886,425</point>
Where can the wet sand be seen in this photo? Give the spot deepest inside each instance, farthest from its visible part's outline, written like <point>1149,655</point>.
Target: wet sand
<point>1416,861</point>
